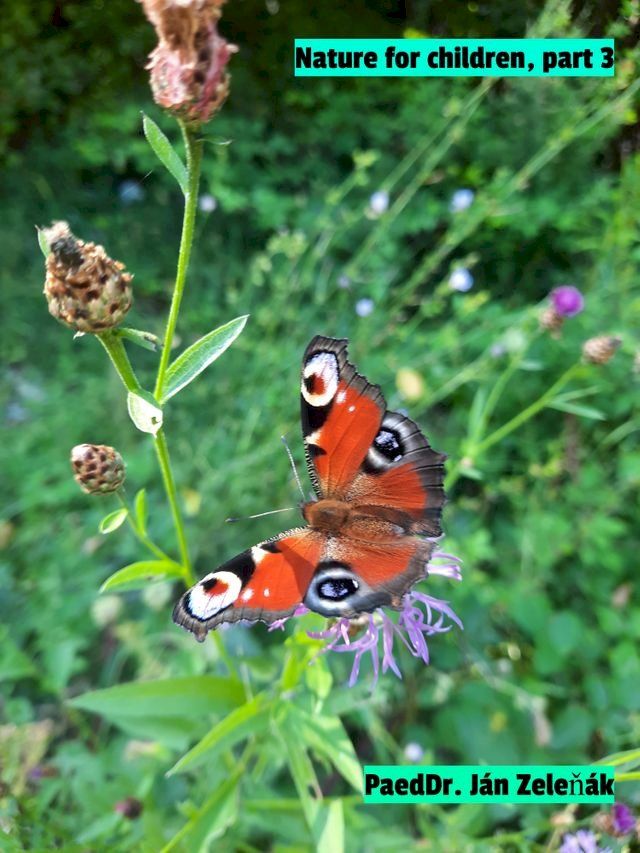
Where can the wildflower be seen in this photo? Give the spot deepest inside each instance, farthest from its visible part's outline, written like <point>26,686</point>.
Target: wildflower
<point>130,192</point>
<point>207,203</point>
<point>497,350</point>
<point>461,280</point>
<point>344,282</point>
<point>85,288</point>
<point>413,752</point>
<point>584,841</point>
<point>364,307</point>
<point>551,321</point>
<point>601,349</point>
<point>106,609</point>
<point>379,203</point>
<point>188,67</point>
<point>461,200</point>
<point>567,300</point>
<point>130,807</point>
<point>97,468</point>
<point>622,819</point>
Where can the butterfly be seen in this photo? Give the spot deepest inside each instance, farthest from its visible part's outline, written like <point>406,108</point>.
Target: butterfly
<point>367,540</point>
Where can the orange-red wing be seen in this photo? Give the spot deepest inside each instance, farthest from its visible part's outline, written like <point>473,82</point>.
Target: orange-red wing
<point>264,583</point>
<point>341,416</point>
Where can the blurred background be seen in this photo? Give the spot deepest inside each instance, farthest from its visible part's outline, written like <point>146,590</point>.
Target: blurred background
<point>425,220</point>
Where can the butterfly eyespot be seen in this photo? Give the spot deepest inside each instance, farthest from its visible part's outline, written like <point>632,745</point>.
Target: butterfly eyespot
<point>320,379</point>
<point>387,443</point>
<point>337,589</point>
<point>214,593</point>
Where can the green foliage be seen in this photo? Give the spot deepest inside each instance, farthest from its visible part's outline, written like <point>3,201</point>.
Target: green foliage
<point>253,740</point>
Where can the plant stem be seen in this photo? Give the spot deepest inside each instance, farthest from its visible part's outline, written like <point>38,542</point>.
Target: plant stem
<point>516,421</point>
<point>162,451</point>
<point>194,157</point>
<point>140,536</point>
<point>120,360</point>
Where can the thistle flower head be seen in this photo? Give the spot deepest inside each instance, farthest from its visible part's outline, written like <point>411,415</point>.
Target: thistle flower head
<point>622,820</point>
<point>601,349</point>
<point>567,300</point>
<point>421,616</point>
<point>85,288</point>
<point>97,468</point>
<point>188,66</point>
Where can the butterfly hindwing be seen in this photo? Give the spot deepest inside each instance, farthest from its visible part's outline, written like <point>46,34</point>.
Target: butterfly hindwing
<point>264,583</point>
<point>358,451</point>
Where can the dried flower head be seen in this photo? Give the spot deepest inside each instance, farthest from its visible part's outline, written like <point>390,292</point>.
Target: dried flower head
<point>601,349</point>
<point>97,468</point>
<point>551,321</point>
<point>130,807</point>
<point>85,288</point>
<point>188,66</point>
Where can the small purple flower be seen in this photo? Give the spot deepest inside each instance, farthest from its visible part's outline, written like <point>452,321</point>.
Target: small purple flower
<point>461,200</point>
<point>364,307</point>
<point>379,203</point>
<point>622,819</point>
<point>584,841</point>
<point>413,752</point>
<point>567,300</point>
<point>461,280</point>
<point>130,192</point>
<point>207,203</point>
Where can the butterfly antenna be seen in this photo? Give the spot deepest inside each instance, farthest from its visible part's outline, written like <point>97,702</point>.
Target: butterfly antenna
<point>260,514</point>
<point>293,466</point>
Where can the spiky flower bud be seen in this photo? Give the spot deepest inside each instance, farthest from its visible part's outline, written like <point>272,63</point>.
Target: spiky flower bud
<point>97,468</point>
<point>84,287</point>
<point>551,321</point>
<point>188,67</point>
<point>601,349</point>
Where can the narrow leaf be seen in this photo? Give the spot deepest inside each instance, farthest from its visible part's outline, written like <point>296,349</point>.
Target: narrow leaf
<point>200,355</point>
<point>42,241</point>
<point>189,696</point>
<point>217,813</point>
<point>137,575</point>
<point>140,505</point>
<point>326,736</point>
<point>113,520</point>
<point>143,339</point>
<point>144,411</point>
<point>576,409</point>
<point>251,719</point>
<point>328,828</point>
<point>165,152</point>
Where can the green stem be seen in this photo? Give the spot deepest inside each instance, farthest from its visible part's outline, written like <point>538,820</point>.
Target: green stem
<point>140,536</point>
<point>516,421</point>
<point>172,496</point>
<point>194,157</point>
<point>112,342</point>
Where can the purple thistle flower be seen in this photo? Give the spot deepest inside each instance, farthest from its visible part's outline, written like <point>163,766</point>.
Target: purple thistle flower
<point>584,841</point>
<point>622,819</point>
<point>567,300</point>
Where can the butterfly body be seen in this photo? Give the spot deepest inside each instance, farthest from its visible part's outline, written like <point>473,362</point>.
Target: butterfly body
<point>369,536</point>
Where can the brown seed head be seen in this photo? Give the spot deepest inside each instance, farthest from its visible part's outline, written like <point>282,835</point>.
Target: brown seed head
<point>551,321</point>
<point>84,287</point>
<point>97,468</point>
<point>601,349</point>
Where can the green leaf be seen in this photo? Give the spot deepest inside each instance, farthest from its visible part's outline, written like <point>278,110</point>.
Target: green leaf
<point>140,505</point>
<point>42,242</point>
<point>113,520</point>
<point>252,718</point>
<point>326,736</point>
<point>189,696</point>
<point>143,339</point>
<point>144,411</point>
<point>217,813</point>
<point>200,355</point>
<point>576,409</point>
<point>165,152</point>
<point>328,828</point>
<point>137,575</point>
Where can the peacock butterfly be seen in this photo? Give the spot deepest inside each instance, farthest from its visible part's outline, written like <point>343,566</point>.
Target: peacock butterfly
<point>369,533</point>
